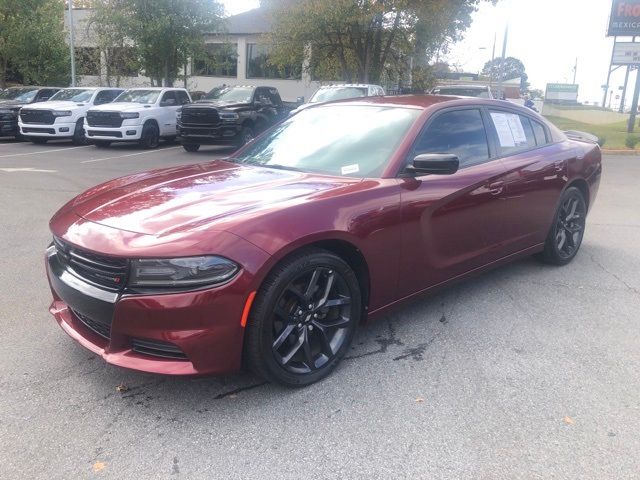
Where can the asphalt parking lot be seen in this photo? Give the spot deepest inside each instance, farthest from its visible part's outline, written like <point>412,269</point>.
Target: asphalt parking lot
<point>527,372</point>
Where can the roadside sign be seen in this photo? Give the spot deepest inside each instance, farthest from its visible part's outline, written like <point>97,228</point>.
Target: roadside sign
<point>626,53</point>
<point>561,92</point>
<point>624,19</point>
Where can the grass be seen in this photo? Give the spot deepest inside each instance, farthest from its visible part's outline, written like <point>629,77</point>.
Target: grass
<point>615,134</point>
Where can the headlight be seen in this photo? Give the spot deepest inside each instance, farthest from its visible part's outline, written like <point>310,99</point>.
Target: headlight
<point>61,113</point>
<point>179,113</point>
<point>181,272</point>
<point>228,116</point>
<point>130,115</point>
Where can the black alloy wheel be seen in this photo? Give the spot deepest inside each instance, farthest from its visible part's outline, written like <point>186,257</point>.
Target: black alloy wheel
<point>150,136</point>
<point>304,319</point>
<point>567,232</point>
<point>79,136</point>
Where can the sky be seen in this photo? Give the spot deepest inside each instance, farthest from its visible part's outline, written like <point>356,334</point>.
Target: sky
<point>547,35</point>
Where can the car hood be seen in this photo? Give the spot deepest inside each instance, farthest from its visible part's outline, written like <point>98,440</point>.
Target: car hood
<point>56,105</point>
<point>120,107</point>
<point>208,195</point>
<point>11,104</point>
<point>217,104</point>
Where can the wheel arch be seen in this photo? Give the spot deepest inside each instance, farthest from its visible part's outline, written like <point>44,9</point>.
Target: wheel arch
<point>582,185</point>
<point>151,120</point>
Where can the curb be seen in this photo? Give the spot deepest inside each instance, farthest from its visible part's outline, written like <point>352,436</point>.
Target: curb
<point>620,152</point>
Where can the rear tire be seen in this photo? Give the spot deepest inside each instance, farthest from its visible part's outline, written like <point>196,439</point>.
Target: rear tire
<point>102,143</point>
<point>79,136</point>
<point>150,137</point>
<point>304,318</point>
<point>191,147</point>
<point>566,233</point>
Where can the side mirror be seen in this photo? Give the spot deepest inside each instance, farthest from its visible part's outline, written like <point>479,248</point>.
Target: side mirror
<point>434,164</point>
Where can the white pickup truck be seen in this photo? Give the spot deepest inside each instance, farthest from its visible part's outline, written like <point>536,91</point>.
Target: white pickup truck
<point>143,115</point>
<point>62,116</point>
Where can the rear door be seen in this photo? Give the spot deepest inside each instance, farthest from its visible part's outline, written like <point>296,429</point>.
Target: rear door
<point>452,223</point>
<point>169,107</point>
<point>536,174</point>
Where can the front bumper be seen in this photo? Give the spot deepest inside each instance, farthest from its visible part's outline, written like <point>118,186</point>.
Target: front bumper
<point>124,133</point>
<point>209,135</point>
<point>56,130</point>
<point>189,333</point>
<point>9,128</point>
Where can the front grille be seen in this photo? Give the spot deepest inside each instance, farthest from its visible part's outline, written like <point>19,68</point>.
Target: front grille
<point>38,130</point>
<point>39,117</point>
<point>95,326</point>
<point>198,131</point>
<point>106,272</point>
<point>104,119</point>
<point>200,116</point>
<point>157,348</point>
<point>103,133</point>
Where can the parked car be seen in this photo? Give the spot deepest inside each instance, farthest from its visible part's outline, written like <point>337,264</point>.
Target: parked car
<point>479,91</point>
<point>62,116</point>
<point>143,115</point>
<point>330,93</point>
<point>13,99</point>
<point>277,254</point>
<point>229,116</point>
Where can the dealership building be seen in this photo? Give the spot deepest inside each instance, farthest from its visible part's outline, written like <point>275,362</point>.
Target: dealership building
<point>239,56</point>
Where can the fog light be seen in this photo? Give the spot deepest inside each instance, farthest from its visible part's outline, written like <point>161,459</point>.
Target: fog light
<point>63,129</point>
<point>131,132</point>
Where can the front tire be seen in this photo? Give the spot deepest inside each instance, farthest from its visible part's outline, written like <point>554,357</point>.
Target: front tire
<point>191,147</point>
<point>304,319</point>
<point>79,136</point>
<point>567,231</point>
<point>150,137</point>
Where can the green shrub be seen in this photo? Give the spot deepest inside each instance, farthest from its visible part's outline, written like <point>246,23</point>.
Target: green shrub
<point>631,141</point>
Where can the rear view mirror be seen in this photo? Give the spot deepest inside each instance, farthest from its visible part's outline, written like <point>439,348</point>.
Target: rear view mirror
<point>434,164</point>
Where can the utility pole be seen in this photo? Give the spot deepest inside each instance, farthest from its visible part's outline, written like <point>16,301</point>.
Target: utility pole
<point>575,71</point>
<point>634,104</point>
<point>504,55</point>
<point>606,89</point>
<point>71,45</point>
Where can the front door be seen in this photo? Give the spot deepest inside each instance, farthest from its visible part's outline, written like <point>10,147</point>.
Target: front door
<point>452,223</point>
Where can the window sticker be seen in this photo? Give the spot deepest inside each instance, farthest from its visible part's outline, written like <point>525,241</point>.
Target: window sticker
<point>350,169</point>
<point>509,128</point>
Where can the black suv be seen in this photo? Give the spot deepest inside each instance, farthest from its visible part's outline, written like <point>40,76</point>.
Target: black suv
<point>229,116</point>
<point>13,99</point>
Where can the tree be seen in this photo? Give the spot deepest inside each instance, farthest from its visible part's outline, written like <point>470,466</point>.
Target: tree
<point>32,41</point>
<point>502,69</point>
<point>158,36</point>
<point>364,40</point>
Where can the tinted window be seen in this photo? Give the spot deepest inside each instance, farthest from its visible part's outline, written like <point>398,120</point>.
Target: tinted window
<point>168,97</point>
<point>45,94</point>
<point>460,132</point>
<point>183,98</point>
<point>539,132</point>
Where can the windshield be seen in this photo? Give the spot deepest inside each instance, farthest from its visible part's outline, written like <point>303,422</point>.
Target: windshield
<point>463,92</point>
<point>354,141</point>
<point>231,94</point>
<point>19,94</point>
<point>146,97</point>
<point>330,94</point>
<point>73,95</point>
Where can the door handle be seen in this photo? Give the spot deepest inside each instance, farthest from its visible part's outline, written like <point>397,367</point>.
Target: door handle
<point>559,166</point>
<point>496,188</point>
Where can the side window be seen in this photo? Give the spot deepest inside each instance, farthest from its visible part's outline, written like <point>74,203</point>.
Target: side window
<point>515,133</point>
<point>44,94</point>
<point>460,132</point>
<point>168,99</point>
<point>539,132</point>
<point>262,96</point>
<point>274,98</point>
<point>106,96</point>
<point>183,98</point>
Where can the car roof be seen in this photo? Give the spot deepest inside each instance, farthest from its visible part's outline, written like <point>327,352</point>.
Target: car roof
<point>426,101</point>
<point>158,89</point>
<point>478,87</point>
<point>342,85</point>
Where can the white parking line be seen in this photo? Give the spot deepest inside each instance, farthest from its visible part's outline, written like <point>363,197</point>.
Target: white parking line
<point>26,169</point>
<point>129,155</point>
<point>44,151</point>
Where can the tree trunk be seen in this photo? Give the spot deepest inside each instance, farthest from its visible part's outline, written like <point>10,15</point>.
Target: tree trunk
<point>3,73</point>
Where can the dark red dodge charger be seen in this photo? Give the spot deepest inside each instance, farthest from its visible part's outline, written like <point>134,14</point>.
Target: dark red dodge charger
<point>274,256</point>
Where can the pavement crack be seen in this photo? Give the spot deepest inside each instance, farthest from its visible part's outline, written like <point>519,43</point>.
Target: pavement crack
<point>238,390</point>
<point>417,352</point>
<point>631,288</point>
<point>384,343</point>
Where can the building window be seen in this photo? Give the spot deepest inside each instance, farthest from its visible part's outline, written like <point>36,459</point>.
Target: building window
<point>218,60</point>
<point>88,60</point>
<point>258,65</point>
<point>122,62</point>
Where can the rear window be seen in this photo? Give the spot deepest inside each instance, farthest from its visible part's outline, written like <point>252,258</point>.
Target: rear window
<point>515,132</point>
